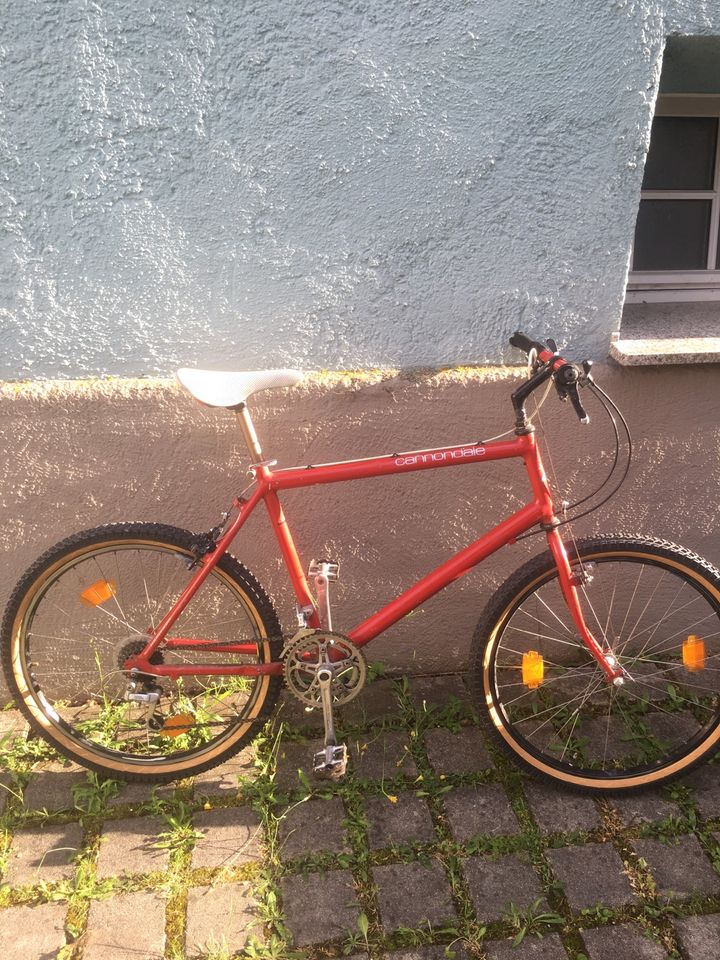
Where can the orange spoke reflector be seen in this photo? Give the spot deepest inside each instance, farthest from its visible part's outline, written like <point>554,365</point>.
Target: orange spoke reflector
<point>533,669</point>
<point>693,650</point>
<point>177,725</point>
<point>98,593</point>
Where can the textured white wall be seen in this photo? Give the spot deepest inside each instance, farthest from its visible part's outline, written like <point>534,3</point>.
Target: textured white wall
<point>335,184</point>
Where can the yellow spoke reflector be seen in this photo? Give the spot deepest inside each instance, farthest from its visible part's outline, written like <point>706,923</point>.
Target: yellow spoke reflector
<point>177,725</point>
<point>98,593</point>
<point>693,653</point>
<point>533,669</point>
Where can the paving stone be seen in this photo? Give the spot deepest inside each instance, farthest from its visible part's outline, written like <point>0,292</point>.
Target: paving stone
<point>221,917</point>
<point>378,701</point>
<point>494,884</point>
<point>130,794</point>
<point>294,755</point>
<point>705,784</point>
<point>433,694</point>
<point>127,846</point>
<point>597,732</point>
<point>50,787</point>
<point>673,728</point>
<point>320,907</point>
<point>557,811</point>
<point>645,808</point>
<point>315,826</point>
<point>599,861</point>
<point>405,821</point>
<point>412,895</point>
<point>699,937</point>
<point>32,933</point>
<point>8,789</point>
<point>431,952</point>
<point>462,752</point>
<point>232,836</point>
<point>225,779</point>
<point>126,927</point>
<point>381,756</point>
<point>43,853</point>
<point>12,726</point>
<point>293,713</point>
<point>479,809</point>
<point>680,869</point>
<point>548,948</point>
<point>623,940</point>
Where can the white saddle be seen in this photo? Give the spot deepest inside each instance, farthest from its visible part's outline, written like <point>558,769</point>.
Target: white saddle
<point>220,388</point>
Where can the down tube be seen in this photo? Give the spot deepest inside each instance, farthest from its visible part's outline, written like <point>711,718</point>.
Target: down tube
<point>458,565</point>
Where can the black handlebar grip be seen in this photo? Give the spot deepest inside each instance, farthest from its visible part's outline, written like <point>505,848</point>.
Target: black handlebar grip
<point>523,342</point>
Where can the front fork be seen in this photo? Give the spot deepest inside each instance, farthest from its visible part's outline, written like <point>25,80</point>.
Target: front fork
<point>611,668</point>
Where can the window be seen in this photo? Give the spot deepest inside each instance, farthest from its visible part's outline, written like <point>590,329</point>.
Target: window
<point>676,252</point>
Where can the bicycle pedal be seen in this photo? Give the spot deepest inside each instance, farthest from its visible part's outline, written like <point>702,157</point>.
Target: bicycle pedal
<point>330,763</point>
<point>326,568</point>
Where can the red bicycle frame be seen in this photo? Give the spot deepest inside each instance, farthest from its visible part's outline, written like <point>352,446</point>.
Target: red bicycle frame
<point>268,484</point>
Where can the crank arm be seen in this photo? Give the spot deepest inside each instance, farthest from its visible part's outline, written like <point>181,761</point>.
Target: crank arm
<point>331,762</point>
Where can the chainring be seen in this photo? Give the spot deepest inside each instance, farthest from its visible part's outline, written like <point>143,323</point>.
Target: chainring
<point>311,649</point>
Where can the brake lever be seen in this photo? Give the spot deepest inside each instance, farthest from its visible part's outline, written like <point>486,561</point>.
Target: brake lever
<point>566,383</point>
<point>575,401</point>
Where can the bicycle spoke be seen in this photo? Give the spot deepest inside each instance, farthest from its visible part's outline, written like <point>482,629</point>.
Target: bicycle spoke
<point>550,611</point>
<point>572,717</point>
<point>578,644</point>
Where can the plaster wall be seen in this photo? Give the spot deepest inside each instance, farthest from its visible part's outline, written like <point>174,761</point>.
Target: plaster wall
<point>80,454</point>
<point>325,185</point>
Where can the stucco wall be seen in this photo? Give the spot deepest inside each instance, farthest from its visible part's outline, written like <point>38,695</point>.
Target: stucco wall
<point>329,185</point>
<point>82,454</point>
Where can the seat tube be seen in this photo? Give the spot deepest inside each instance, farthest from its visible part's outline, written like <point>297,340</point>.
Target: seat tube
<point>291,558</point>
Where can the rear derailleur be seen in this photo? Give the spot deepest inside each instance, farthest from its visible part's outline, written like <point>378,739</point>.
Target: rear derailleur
<point>141,688</point>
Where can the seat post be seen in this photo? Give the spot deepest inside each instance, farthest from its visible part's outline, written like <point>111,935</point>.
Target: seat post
<point>248,431</point>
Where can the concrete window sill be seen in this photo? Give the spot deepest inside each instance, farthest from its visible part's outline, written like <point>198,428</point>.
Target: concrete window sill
<point>659,334</point>
<point>653,351</point>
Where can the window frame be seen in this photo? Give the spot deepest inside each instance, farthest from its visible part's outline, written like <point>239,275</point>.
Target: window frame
<point>665,286</point>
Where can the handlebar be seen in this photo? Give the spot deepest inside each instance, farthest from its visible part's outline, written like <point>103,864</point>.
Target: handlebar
<point>547,363</point>
<point>523,342</point>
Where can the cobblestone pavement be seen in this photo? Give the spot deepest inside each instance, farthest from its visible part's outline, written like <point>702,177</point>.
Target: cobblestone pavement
<point>433,847</point>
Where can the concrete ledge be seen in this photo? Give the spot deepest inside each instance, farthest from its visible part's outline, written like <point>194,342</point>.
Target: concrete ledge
<point>661,351</point>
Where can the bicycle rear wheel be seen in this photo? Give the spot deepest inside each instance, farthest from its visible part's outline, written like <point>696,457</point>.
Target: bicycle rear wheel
<point>88,604</point>
<point>545,699</point>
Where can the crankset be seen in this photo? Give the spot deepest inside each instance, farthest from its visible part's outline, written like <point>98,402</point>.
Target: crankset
<point>325,669</point>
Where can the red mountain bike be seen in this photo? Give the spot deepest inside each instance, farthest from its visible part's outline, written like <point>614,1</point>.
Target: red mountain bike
<point>149,653</point>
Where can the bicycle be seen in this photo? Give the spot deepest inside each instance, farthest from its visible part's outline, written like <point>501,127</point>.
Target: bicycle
<point>146,652</point>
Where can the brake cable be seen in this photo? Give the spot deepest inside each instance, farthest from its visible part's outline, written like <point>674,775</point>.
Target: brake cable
<point>604,400</point>
<point>607,403</point>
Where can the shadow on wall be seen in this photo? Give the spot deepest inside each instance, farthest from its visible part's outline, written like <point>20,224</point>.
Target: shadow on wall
<point>87,453</point>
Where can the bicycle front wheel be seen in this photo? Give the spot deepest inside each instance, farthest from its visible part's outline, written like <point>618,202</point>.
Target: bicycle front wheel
<point>546,701</point>
<point>90,603</point>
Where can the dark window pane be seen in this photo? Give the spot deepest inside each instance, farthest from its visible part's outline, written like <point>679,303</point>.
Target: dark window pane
<point>672,235</point>
<point>682,154</point>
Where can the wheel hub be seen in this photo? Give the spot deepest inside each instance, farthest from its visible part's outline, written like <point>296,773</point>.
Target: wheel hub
<point>131,649</point>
